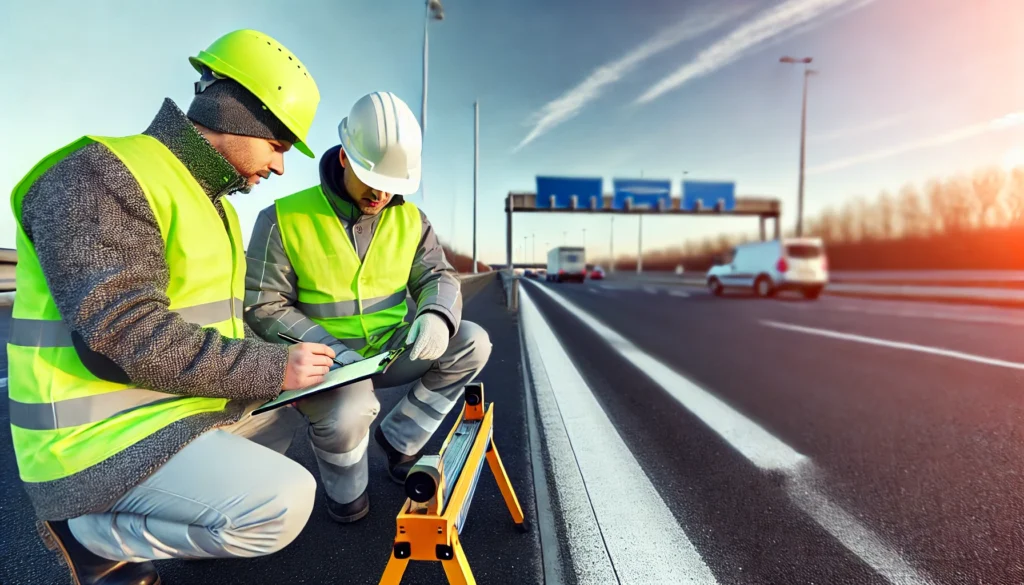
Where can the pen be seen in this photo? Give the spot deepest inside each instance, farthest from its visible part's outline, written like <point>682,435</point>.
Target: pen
<point>287,337</point>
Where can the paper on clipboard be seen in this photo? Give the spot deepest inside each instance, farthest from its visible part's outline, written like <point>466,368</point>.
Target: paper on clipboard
<point>361,370</point>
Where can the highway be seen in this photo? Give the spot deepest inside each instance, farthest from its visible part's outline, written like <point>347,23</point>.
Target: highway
<point>836,441</point>
<point>680,438</point>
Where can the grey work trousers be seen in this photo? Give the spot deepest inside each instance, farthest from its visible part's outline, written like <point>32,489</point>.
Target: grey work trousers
<point>232,492</point>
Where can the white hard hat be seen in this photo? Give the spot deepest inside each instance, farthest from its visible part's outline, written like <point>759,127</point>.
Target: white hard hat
<point>382,139</point>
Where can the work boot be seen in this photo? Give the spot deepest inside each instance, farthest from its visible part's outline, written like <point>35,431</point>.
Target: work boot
<point>350,512</point>
<point>399,463</point>
<point>89,569</point>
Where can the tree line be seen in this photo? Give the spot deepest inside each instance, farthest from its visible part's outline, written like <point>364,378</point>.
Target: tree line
<point>966,220</point>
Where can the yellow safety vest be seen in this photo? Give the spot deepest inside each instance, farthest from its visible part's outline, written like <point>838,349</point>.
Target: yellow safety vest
<point>360,303</point>
<point>63,418</point>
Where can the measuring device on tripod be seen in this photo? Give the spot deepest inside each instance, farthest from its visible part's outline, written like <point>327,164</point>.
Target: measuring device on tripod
<point>440,490</point>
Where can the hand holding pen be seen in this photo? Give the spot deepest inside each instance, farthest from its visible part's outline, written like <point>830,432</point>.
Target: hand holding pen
<point>308,363</point>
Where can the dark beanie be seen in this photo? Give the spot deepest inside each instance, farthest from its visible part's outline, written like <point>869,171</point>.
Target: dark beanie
<point>225,106</point>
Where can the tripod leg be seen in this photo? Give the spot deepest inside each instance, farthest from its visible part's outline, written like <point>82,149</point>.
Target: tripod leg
<point>457,569</point>
<point>394,571</point>
<point>498,469</point>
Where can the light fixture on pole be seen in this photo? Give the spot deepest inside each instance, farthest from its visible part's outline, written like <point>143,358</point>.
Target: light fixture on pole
<point>434,12</point>
<point>803,139</point>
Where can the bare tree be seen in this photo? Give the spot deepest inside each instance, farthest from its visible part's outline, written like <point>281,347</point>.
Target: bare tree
<point>866,218</point>
<point>1013,199</point>
<point>724,242</point>
<point>886,215</point>
<point>961,203</point>
<point>829,225</point>
<point>707,246</point>
<point>940,207</point>
<point>847,223</point>
<point>988,184</point>
<point>911,212</point>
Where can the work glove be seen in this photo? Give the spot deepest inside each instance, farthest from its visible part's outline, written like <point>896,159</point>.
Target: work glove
<point>428,337</point>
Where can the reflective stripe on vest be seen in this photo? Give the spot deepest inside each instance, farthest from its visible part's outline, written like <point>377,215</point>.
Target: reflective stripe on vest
<point>350,308</point>
<point>63,418</point>
<point>43,333</point>
<point>47,416</point>
<point>349,298</point>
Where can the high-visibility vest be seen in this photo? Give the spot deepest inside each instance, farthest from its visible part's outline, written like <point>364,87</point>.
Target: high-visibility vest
<point>360,303</point>
<point>63,418</point>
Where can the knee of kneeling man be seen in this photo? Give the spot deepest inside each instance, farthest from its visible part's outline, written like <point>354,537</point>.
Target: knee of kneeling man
<point>293,505</point>
<point>476,338</point>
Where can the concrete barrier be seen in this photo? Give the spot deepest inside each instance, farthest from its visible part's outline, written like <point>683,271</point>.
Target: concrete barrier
<point>510,284</point>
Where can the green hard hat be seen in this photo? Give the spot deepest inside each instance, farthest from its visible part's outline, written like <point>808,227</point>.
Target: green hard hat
<point>271,72</point>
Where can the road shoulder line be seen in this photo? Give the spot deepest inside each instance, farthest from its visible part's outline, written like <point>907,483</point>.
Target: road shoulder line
<point>642,538</point>
<point>550,553</point>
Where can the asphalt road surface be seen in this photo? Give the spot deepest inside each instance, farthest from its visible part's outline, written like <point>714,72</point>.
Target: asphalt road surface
<point>792,441</point>
<point>682,438</point>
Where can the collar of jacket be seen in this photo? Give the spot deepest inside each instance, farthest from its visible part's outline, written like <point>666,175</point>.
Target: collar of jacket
<point>332,181</point>
<point>210,169</point>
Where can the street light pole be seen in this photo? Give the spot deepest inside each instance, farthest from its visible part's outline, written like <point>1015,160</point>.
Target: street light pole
<point>640,239</point>
<point>803,139</point>
<point>611,246</point>
<point>434,12</point>
<point>476,173</point>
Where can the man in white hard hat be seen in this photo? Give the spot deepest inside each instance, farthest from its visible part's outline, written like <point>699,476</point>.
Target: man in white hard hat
<point>333,264</point>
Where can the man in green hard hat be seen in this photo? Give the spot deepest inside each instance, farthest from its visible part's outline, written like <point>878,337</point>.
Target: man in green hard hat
<point>131,372</point>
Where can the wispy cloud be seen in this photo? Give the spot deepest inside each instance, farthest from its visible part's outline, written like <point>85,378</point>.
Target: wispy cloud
<point>572,102</point>
<point>867,128</point>
<point>767,26</point>
<point>1010,120</point>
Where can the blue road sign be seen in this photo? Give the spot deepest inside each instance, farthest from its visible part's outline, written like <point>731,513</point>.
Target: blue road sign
<point>558,192</point>
<point>709,194</point>
<point>645,193</point>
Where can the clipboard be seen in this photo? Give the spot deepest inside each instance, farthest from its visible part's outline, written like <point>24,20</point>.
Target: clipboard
<point>361,370</point>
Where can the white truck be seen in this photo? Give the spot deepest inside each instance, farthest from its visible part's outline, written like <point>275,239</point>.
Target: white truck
<point>567,263</point>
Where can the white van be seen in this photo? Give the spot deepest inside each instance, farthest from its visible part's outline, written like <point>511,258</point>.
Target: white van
<point>768,267</point>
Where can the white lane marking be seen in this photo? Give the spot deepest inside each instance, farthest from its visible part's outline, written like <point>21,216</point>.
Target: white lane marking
<point>897,345</point>
<point>643,540</point>
<point>763,450</point>
<point>3,382</point>
<point>650,290</point>
<point>756,444</point>
<point>947,316</point>
<point>802,488</point>
<point>679,293</point>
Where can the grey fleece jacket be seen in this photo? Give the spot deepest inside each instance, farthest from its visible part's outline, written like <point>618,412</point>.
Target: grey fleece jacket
<point>100,248</point>
<point>271,287</point>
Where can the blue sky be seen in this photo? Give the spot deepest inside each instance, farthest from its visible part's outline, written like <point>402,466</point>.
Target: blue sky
<point>907,90</point>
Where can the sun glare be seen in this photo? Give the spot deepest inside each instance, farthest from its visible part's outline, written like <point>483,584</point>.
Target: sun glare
<point>1013,158</point>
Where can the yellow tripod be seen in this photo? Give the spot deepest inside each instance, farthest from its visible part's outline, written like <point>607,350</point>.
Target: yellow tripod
<point>440,489</point>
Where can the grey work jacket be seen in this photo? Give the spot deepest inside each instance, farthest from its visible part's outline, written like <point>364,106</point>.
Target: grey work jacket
<point>271,288</point>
